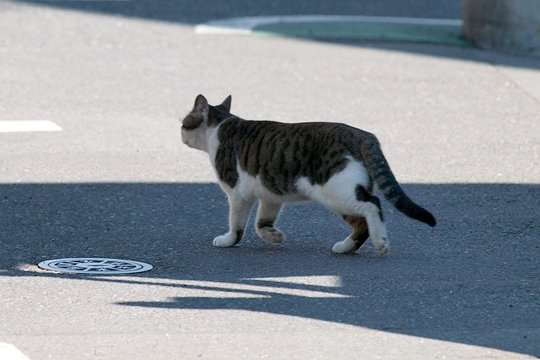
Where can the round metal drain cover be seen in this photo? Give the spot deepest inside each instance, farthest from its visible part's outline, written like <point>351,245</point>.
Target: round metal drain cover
<point>102,266</point>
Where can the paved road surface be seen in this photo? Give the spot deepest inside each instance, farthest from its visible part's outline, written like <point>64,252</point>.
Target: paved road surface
<point>460,127</point>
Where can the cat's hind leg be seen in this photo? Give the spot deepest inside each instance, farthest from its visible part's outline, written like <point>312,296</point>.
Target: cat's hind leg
<point>239,209</point>
<point>378,234</point>
<point>375,220</point>
<point>356,239</point>
<point>367,207</point>
<point>376,229</point>
<point>267,214</point>
<point>347,193</point>
<point>371,207</point>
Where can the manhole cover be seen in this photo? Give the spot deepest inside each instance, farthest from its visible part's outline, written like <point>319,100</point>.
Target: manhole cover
<point>102,266</point>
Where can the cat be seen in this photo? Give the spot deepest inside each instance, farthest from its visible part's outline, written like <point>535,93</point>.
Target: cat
<point>334,164</point>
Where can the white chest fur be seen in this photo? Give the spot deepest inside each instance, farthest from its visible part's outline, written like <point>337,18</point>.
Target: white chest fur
<point>212,143</point>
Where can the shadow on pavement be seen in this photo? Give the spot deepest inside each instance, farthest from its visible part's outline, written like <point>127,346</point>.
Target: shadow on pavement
<point>472,280</point>
<point>191,12</point>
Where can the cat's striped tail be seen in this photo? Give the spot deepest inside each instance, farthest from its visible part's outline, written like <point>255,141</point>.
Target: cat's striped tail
<point>382,176</point>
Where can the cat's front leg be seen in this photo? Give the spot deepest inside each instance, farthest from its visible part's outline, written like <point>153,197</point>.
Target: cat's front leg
<point>239,209</point>
<point>267,214</point>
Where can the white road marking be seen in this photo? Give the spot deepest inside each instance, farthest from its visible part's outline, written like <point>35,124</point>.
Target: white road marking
<point>10,352</point>
<point>28,126</point>
<point>245,25</point>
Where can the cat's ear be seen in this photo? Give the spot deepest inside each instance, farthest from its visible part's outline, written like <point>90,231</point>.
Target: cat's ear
<point>201,106</point>
<point>227,103</point>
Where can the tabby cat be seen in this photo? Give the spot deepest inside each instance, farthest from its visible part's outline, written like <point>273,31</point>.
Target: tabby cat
<point>334,164</point>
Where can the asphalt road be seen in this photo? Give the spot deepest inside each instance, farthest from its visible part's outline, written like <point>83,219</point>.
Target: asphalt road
<point>460,127</point>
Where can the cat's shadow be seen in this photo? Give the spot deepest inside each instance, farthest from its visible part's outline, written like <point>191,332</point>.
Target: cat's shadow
<point>467,273</point>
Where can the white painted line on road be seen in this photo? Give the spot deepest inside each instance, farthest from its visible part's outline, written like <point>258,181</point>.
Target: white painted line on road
<point>245,25</point>
<point>10,352</point>
<point>28,126</point>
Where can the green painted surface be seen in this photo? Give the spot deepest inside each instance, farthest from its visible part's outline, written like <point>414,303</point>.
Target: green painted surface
<point>439,34</point>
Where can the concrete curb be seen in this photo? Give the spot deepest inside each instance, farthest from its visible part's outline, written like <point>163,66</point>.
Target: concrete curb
<point>440,31</point>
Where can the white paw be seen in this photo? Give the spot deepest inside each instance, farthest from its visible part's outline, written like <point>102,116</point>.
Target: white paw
<point>344,246</point>
<point>271,235</point>
<point>226,240</point>
<point>382,246</point>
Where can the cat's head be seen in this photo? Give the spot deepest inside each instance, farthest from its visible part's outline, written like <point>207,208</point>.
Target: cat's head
<point>201,118</point>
